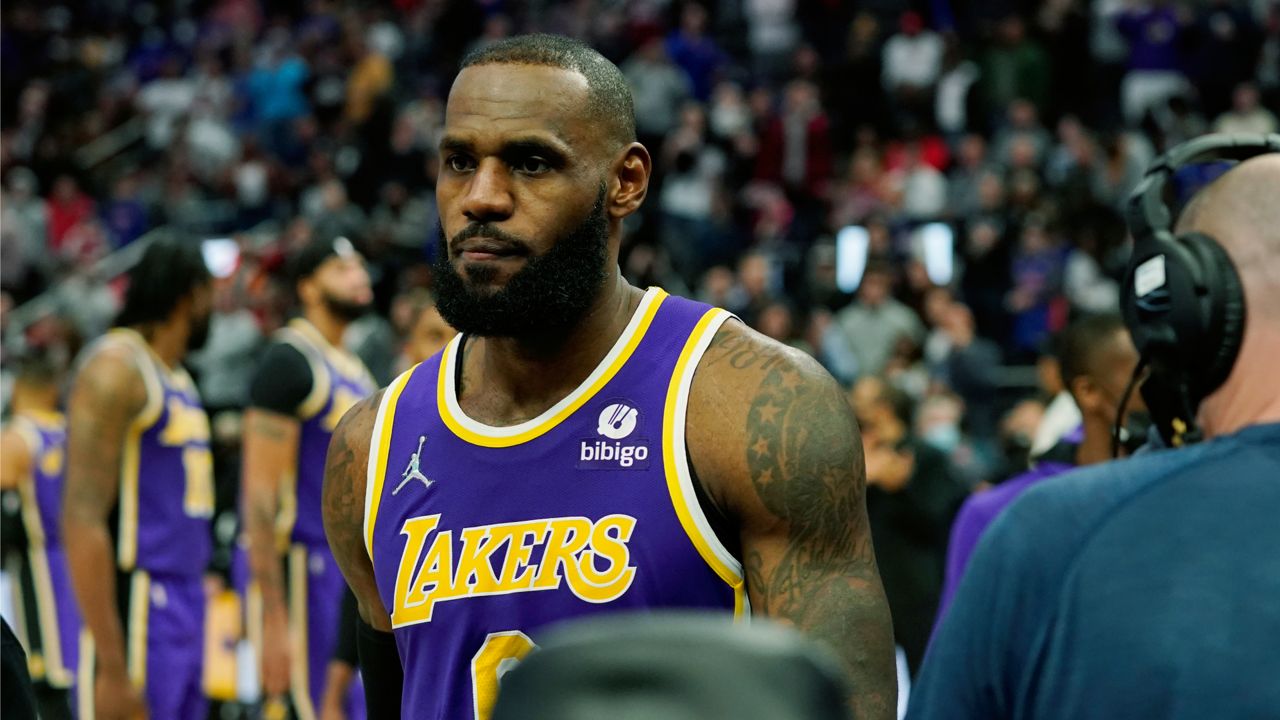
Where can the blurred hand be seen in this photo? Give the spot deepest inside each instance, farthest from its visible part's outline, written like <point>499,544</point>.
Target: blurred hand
<point>275,654</point>
<point>115,698</point>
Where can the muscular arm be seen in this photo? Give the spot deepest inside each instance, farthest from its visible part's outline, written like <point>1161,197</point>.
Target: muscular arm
<point>270,457</point>
<point>345,472</point>
<point>793,479</point>
<point>15,459</point>
<point>107,396</point>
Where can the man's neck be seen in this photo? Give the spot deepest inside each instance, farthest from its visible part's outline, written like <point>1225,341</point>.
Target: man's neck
<point>1249,396</point>
<point>330,326</point>
<point>521,379</point>
<point>168,340</point>
<point>35,404</point>
<point>1095,447</point>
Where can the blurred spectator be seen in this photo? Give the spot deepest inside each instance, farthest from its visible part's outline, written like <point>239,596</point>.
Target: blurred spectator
<point>1037,272</point>
<point>23,227</point>
<point>772,35</point>
<point>1013,67</point>
<point>923,189</point>
<point>276,91</point>
<point>658,89</point>
<point>1246,114</point>
<point>165,100</point>
<point>1022,126</point>
<point>67,207</point>
<point>963,180</point>
<point>864,192</point>
<point>1227,43</point>
<point>967,364</point>
<point>862,337</point>
<point>940,423</point>
<point>795,151</point>
<point>693,170</point>
<point>1157,35</point>
<point>696,53</point>
<point>370,78</point>
<point>912,63</point>
<point>337,216</point>
<point>911,498</point>
<point>956,110</point>
<point>1017,431</point>
<point>854,91</point>
<point>125,215</point>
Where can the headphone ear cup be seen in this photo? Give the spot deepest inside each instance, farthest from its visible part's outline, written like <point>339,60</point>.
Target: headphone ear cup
<point>1223,321</point>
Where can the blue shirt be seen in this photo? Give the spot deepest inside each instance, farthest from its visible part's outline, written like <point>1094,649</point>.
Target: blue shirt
<point>1147,587</point>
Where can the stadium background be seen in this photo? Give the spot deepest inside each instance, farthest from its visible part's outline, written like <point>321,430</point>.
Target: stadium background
<point>775,125</point>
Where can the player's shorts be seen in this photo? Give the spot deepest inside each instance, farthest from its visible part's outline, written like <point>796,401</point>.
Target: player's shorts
<point>314,588</point>
<point>47,622</point>
<point>163,623</point>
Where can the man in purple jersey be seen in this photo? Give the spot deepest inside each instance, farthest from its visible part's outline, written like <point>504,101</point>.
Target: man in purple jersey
<point>32,457</point>
<point>303,384</point>
<point>139,495</point>
<point>1097,359</point>
<point>584,446</point>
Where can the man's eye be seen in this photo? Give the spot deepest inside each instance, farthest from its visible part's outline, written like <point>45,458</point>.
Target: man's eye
<point>458,163</point>
<point>532,165</point>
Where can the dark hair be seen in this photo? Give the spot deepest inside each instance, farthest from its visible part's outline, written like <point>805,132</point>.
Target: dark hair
<point>898,400</point>
<point>608,92</point>
<point>1082,342</point>
<point>170,269</point>
<point>36,368</point>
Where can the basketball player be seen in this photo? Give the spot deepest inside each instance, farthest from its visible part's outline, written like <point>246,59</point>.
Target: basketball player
<point>584,446</point>
<point>139,495</point>
<point>32,454</point>
<point>302,387</point>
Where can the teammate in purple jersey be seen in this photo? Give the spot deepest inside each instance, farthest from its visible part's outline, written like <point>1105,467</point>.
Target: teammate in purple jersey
<point>584,445</point>
<point>303,385</point>
<point>32,457</point>
<point>139,495</point>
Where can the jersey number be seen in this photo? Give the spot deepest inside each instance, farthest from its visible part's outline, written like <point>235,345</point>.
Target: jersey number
<point>197,463</point>
<point>500,652</point>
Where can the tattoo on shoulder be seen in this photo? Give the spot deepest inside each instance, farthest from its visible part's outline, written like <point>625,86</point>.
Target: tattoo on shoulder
<point>740,351</point>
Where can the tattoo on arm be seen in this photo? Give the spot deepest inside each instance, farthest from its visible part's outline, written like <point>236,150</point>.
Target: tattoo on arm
<point>809,558</point>
<point>343,505</point>
<point>108,394</point>
<point>270,458</point>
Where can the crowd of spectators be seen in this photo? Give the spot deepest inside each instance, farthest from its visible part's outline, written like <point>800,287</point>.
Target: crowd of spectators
<point>774,126</point>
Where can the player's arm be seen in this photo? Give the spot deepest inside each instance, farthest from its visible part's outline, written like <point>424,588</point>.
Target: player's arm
<point>107,396</point>
<point>790,472</point>
<point>15,459</point>
<point>280,383</point>
<point>345,473</point>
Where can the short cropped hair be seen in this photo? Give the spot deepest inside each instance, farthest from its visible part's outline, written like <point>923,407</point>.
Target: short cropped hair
<point>170,269</point>
<point>1084,341</point>
<point>608,93</point>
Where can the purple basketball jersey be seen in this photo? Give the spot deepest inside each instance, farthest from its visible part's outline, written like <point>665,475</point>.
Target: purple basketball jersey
<point>57,615</point>
<point>166,474</point>
<point>481,536</point>
<point>338,381</point>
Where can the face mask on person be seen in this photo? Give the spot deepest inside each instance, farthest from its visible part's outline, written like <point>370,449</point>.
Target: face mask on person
<point>944,437</point>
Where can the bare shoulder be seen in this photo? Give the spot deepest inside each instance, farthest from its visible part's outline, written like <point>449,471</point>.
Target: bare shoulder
<point>108,384</point>
<point>347,462</point>
<point>754,405</point>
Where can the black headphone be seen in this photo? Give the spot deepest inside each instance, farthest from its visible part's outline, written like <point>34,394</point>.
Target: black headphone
<point>1182,300</point>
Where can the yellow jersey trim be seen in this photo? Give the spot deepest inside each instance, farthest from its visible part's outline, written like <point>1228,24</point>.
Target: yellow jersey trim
<point>489,436</point>
<point>139,609</point>
<point>54,671</point>
<point>379,447</point>
<point>679,479</point>
<point>320,381</point>
<point>151,368</point>
<point>300,662</point>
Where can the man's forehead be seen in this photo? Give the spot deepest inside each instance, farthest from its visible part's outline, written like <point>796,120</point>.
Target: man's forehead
<point>511,98</point>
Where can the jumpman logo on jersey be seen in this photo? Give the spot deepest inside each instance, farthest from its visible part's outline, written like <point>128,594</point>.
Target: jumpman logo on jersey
<point>414,470</point>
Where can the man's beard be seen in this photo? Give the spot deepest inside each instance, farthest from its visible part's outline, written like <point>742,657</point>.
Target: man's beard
<point>344,309</point>
<point>543,300</point>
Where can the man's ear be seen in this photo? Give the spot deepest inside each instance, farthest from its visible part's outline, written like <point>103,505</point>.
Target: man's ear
<point>630,183</point>
<point>1086,394</point>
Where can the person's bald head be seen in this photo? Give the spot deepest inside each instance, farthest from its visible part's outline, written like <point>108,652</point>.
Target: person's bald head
<point>1241,210</point>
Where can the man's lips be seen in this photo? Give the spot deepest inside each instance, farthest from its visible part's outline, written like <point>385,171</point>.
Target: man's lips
<point>486,249</point>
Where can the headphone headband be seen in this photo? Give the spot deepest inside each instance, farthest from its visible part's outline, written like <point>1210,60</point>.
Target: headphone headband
<point>1148,215</point>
